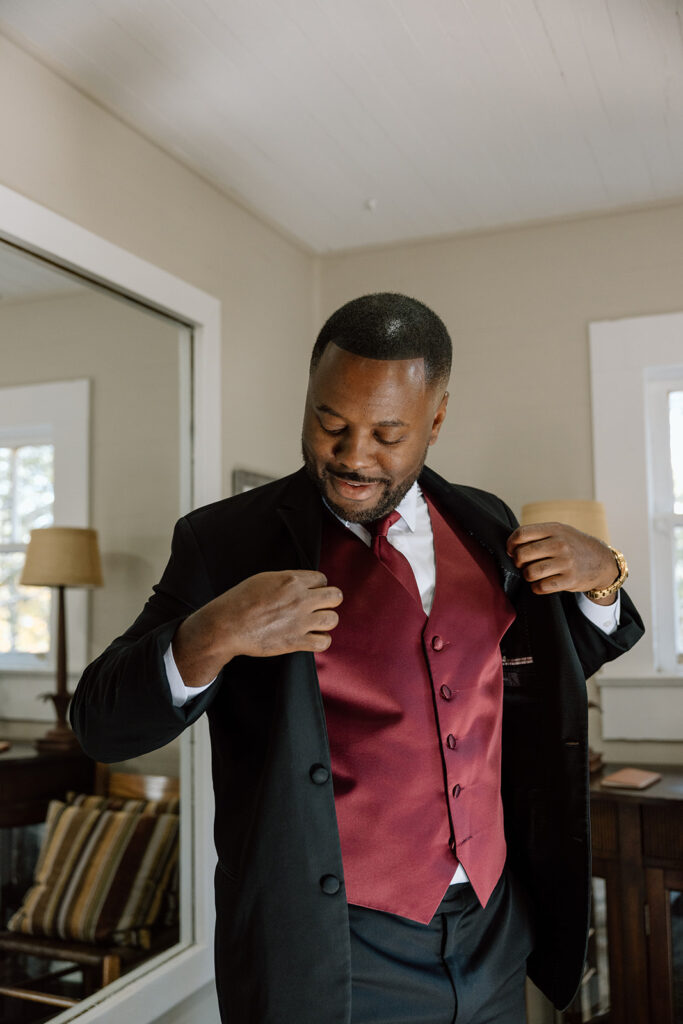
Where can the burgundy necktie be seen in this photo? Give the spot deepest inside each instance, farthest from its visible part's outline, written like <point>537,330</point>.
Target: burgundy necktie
<point>395,562</point>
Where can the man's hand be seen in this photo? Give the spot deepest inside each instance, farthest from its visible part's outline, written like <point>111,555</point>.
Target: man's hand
<point>267,614</point>
<point>554,557</point>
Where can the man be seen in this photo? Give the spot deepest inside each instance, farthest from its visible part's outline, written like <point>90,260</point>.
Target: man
<point>396,703</point>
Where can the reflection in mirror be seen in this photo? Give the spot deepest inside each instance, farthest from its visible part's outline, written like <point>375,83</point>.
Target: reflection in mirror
<point>94,430</point>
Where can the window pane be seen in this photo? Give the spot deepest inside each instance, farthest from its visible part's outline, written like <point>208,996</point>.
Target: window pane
<point>676,435</point>
<point>24,611</point>
<point>676,925</point>
<point>678,569</point>
<point>35,488</point>
<point>5,495</point>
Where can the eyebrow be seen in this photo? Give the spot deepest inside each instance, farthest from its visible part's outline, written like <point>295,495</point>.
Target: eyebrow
<point>380,423</point>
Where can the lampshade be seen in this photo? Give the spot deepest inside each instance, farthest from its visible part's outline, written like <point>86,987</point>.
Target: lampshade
<point>65,556</point>
<point>588,516</point>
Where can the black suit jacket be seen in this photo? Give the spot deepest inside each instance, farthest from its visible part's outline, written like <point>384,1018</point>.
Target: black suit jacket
<point>282,941</point>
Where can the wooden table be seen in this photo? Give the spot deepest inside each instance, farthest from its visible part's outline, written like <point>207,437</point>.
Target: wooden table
<point>638,850</point>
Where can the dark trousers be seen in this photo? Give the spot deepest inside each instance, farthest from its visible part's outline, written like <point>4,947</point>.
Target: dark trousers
<point>468,965</point>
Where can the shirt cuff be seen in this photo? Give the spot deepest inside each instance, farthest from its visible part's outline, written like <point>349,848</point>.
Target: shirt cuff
<point>604,616</point>
<point>180,693</point>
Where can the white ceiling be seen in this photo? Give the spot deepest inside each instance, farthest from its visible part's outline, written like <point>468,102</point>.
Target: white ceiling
<point>360,122</point>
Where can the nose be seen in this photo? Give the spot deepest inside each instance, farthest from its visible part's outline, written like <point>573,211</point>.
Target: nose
<point>353,451</point>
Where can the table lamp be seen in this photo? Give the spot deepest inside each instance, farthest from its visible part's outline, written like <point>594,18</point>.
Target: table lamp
<point>587,516</point>
<point>61,556</point>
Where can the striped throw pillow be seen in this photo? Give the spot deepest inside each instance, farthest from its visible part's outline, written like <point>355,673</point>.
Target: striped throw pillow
<point>120,803</point>
<point>101,875</point>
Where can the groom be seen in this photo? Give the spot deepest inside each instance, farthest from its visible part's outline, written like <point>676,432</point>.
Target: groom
<point>394,675</point>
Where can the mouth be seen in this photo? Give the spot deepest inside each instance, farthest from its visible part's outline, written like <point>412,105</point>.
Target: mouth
<point>353,490</point>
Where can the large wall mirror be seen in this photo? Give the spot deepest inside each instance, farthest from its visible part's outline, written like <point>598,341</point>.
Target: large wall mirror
<point>109,419</point>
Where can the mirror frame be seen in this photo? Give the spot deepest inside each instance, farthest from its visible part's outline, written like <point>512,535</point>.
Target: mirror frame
<point>162,983</point>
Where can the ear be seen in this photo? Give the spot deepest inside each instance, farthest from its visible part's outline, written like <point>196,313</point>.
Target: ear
<point>439,417</point>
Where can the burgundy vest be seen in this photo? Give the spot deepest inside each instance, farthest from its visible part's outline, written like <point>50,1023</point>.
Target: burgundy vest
<point>414,707</point>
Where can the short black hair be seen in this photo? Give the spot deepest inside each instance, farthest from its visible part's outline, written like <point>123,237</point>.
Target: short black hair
<point>387,325</point>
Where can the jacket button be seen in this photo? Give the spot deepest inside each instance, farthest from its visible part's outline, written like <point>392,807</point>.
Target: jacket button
<point>456,790</point>
<point>319,774</point>
<point>437,643</point>
<point>330,884</point>
<point>451,741</point>
<point>446,692</point>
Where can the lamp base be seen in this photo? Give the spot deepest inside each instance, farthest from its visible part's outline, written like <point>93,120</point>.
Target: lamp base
<point>59,740</point>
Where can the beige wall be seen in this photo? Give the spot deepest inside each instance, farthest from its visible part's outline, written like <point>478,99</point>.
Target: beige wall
<point>127,355</point>
<point>518,303</point>
<point>65,152</point>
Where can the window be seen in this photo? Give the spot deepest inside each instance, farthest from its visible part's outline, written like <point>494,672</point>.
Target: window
<point>44,443</point>
<point>26,503</point>
<point>676,449</point>
<point>637,404</point>
<point>664,412</point>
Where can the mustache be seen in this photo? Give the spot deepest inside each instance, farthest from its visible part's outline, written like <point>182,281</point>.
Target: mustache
<point>355,478</point>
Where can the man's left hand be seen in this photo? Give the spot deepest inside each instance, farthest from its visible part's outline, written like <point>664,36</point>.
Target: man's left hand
<point>555,557</point>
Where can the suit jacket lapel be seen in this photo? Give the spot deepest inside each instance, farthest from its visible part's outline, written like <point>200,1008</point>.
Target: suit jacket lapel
<point>480,520</point>
<point>300,509</point>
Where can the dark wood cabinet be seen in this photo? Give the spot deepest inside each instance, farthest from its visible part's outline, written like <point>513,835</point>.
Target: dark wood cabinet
<point>634,972</point>
<point>29,780</point>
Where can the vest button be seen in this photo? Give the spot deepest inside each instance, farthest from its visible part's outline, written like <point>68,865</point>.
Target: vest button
<point>437,643</point>
<point>319,774</point>
<point>446,692</point>
<point>451,843</point>
<point>456,791</point>
<point>451,741</point>
<point>330,884</point>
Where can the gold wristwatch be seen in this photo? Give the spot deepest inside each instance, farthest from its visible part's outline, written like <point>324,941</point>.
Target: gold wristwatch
<point>596,595</point>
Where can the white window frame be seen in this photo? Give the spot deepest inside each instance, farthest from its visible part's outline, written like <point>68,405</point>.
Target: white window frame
<point>57,413</point>
<point>641,693</point>
<point>659,384</point>
<point>160,984</point>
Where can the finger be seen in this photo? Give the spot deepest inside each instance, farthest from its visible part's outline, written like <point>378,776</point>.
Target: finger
<point>531,532</point>
<point>534,551</point>
<point>549,585</point>
<point>546,569</point>
<point>316,642</point>
<point>327,597</point>
<point>311,578</point>
<point>324,620</point>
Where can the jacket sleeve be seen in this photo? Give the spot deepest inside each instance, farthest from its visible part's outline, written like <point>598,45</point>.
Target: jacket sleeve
<point>122,706</point>
<point>593,646</point>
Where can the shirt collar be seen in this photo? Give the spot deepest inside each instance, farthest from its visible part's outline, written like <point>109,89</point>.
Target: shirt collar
<point>407,507</point>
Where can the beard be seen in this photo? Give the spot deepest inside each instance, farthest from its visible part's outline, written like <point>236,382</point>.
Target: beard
<point>391,496</point>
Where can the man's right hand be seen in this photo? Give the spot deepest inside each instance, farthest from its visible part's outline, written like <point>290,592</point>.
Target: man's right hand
<point>267,614</point>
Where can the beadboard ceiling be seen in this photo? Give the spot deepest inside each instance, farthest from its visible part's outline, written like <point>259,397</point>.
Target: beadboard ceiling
<point>350,123</point>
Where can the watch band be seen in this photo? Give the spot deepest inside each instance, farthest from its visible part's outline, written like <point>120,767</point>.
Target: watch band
<point>595,595</point>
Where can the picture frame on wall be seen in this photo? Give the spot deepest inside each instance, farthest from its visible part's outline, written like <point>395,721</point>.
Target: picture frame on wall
<point>245,480</point>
